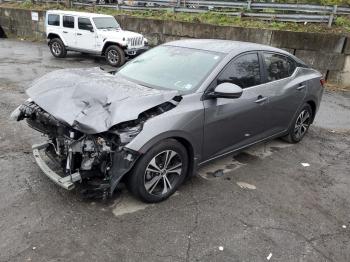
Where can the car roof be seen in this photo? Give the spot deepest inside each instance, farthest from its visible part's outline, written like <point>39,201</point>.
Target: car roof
<point>85,14</point>
<point>224,46</point>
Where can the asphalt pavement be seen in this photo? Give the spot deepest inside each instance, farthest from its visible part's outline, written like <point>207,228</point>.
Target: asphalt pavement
<point>273,202</point>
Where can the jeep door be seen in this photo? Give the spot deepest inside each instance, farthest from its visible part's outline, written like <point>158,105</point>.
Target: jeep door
<point>85,34</point>
<point>68,30</point>
<point>233,123</point>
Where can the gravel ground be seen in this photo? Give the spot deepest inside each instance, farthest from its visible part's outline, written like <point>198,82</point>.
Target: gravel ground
<point>266,205</point>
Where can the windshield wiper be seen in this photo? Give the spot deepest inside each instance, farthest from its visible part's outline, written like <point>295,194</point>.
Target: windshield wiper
<point>109,27</point>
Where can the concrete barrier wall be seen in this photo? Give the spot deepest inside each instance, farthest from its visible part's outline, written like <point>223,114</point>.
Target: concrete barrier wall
<point>328,53</point>
<point>19,23</point>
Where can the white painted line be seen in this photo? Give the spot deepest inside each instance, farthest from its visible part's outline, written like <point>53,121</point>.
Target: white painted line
<point>127,204</point>
<point>245,185</point>
<point>305,164</point>
<point>221,248</point>
<point>269,256</point>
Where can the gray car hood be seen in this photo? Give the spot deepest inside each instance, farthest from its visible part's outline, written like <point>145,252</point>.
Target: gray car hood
<point>92,100</point>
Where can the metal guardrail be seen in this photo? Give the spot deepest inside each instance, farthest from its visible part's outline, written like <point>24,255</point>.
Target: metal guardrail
<point>258,10</point>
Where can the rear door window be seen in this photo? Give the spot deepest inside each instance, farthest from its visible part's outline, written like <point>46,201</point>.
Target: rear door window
<point>68,21</point>
<point>278,66</point>
<point>53,20</point>
<point>243,71</point>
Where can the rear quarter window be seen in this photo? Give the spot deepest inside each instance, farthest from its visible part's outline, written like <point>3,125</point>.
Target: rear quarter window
<point>53,20</point>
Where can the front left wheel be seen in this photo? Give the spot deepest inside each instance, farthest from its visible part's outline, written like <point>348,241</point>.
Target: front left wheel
<point>159,172</point>
<point>115,55</point>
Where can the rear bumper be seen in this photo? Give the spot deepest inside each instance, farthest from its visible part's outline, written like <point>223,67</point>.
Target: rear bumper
<point>66,182</point>
<point>136,51</point>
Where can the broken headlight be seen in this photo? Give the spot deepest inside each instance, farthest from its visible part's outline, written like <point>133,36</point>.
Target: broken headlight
<point>126,134</point>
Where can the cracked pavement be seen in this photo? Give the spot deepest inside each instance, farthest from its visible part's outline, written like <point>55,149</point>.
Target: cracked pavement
<point>296,213</point>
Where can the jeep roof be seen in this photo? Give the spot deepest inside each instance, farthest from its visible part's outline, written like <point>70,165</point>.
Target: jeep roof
<point>85,14</point>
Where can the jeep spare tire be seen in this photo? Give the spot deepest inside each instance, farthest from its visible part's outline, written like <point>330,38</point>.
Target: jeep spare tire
<point>115,55</point>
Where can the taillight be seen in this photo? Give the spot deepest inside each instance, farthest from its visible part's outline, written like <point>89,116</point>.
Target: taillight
<point>322,81</point>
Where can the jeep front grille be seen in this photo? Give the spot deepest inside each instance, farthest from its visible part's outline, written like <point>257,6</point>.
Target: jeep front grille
<point>135,41</point>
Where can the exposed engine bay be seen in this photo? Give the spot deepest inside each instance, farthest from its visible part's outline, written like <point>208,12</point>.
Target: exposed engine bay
<point>96,161</point>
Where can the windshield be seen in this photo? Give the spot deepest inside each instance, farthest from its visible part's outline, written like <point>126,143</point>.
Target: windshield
<point>106,23</point>
<point>170,67</point>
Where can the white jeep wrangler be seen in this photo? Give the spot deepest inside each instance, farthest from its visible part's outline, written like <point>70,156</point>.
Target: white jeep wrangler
<point>91,33</point>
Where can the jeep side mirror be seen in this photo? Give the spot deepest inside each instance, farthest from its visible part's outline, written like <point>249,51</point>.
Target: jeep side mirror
<point>90,28</point>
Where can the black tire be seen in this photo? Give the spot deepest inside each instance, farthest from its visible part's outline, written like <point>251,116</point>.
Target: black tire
<point>300,125</point>
<point>149,186</point>
<point>57,48</point>
<point>115,56</point>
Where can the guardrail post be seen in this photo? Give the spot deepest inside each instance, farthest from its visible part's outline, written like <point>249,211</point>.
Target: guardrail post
<point>178,3</point>
<point>68,3</point>
<point>249,4</point>
<point>331,16</point>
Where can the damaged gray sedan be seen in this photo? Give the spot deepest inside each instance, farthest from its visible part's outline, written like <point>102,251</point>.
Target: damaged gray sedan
<point>154,121</point>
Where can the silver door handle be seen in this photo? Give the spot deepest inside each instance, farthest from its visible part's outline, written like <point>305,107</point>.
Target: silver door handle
<point>301,87</point>
<point>65,32</point>
<point>79,34</point>
<point>260,100</point>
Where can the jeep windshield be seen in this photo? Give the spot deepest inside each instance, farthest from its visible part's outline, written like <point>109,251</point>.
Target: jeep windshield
<point>171,67</point>
<point>106,23</point>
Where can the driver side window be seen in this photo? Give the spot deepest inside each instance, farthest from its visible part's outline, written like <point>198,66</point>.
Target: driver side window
<point>84,24</point>
<point>243,71</point>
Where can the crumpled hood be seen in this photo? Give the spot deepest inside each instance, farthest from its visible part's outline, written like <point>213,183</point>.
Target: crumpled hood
<point>92,100</point>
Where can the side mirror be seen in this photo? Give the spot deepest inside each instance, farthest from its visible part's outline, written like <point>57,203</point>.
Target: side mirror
<point>90,28</point>
<point>226,90</point>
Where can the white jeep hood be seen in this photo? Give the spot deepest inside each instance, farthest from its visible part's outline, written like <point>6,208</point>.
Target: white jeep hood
<point>118,34</point>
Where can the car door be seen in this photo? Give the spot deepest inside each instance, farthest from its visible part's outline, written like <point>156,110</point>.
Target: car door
<point>234,123</point>
<point>68,30</point>
<point>286,89</point>
<point>85,34</point>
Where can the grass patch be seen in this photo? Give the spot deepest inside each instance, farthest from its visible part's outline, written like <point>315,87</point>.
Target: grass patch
<point>341,25</point>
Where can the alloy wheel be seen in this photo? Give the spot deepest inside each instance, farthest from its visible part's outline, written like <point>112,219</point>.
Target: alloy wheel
<point>163,173</point>
<point>113,57</point>
<point>56,48</point>
<point>302,124</point>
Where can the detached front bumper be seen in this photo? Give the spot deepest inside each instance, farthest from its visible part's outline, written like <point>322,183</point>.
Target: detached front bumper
<point>66,182</point>
<point>136,51</point>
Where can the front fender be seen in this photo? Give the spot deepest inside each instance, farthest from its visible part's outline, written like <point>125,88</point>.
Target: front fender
<point>185,122</point>
<point>114,41</point>
<point>170,134</point>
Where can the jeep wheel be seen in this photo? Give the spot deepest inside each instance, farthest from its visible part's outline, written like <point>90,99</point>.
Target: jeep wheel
<point>115,56</point>
<point>57,48</point>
